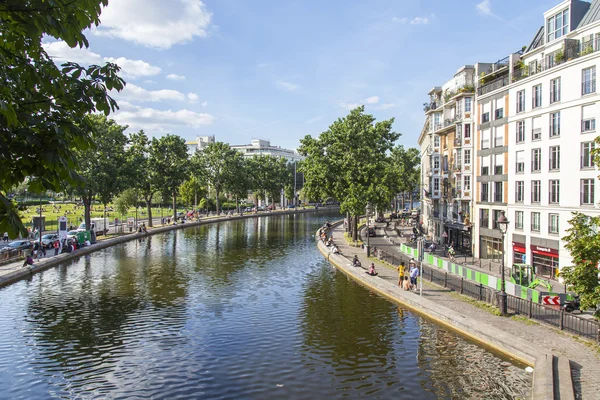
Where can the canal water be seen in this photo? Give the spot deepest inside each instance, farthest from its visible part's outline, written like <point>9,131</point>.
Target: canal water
<point>243,309</point>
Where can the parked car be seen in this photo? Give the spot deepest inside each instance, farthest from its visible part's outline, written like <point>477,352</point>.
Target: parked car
<point>371,232</point>
<point>19,244</point>
<point>291,206</point>
<point>248,209</point>
<point>260,208</point>
<point>49,240</point>
<point>72,234</point>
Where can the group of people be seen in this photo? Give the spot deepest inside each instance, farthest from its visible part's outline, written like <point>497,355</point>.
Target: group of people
<point>408,275</point>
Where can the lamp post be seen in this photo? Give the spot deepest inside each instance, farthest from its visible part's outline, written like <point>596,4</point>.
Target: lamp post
<point>368,236</point>
<point>502,223</point>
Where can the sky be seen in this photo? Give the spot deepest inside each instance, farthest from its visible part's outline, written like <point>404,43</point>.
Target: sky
<point>284,69</point>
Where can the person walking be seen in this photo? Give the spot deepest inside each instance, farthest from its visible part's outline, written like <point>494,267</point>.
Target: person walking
<point>56,247</point>
<point>414,273</point>
<point>400,269</point>
<point>6,237</point>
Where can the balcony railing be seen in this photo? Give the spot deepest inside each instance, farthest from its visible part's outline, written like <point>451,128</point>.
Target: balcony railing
<point>450,121</point>
<point>493,85</point>
<point>498,197</point>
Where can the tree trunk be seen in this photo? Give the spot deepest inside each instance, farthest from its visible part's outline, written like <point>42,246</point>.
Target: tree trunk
<point>348,222</point>
<point>355,228</point>
<point>195,199</point>
<point>237,205</point>
<point>87,205</point>
<point>217,202</point>
<point>403,201</point>
<point>175,205</point>
<point>149,208</point>
<point>411,200</point>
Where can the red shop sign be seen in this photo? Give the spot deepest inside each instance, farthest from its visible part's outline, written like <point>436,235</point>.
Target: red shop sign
<point>519,247</point>
<point>544,251</point>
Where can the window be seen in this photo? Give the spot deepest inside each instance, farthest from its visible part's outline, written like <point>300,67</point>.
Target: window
<point>536,99</point>
<point>499,136</point>
<point>520,101</point>
<point>467,131</point>
<point>485,117</point>
<point>498,164</point>
<point>587,159</point>
<point>485,139</point>
<point>557,25</point>
<point>554,193</point>
<point>518,219</point>
<point>555,90</point>
<point>498,192</point>
<point>499,113</point>
<point>485,165</point>
<point>536,128</point>
<point>533,67</point>
<point>467,182</point>
<point>495,215</point>
<point>588,118</point>
<point>436,141</point>
<point>536,160</point>
<point>535,221</point>
<point>552,223</point>
<point>554,158</point>
<point>436,162</point>
<point>436,184</point>
<point>555,124</point>
<point>484,218</point>
<point>536,191</point>
<point>519,191</point>
<point>588,81</point>
<point>467,157</point>
<point>520,131</point>
<point>459,108</point>
<point>468,102</point>
<point>484,191</point>
<point>520,165</point>
<point>587,191</point>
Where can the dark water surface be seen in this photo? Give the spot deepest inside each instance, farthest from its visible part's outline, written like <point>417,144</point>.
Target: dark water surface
<point>238,310</point>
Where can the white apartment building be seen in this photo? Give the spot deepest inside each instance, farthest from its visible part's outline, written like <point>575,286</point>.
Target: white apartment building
<point>552,113</point>
<point>447,158</point>
<point>199,144</point>
<point>262,147</point>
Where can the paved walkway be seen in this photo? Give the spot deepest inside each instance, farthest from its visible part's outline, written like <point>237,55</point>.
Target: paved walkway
<point>585,357</point>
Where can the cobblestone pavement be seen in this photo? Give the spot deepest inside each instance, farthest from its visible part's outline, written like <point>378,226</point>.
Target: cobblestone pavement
<point>585,357</point>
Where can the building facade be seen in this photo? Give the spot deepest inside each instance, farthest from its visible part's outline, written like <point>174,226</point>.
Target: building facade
<point>199,144</point>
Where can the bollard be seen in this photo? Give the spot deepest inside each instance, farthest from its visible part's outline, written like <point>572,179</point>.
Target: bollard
<point>431,275</point>
<point>480,288</point>
<point>562,318</point>
<point>461,284</point>
<point>445,279</point>
<point>530,313</point>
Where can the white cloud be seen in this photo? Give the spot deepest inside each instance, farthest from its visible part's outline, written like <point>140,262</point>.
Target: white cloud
<point>372,100</point>
<point>152,119</point>
<point>204,103</point>
<point>349,106</point>
<point>413,21</point>
<point>290,87</point>
<point>61,53</point>
<point>136,93</point>
<point>387,106</point>
<point>419,21</point>
<point>155,23</point>
<point>484,7</point>
<point>175,77</point>
<point>314,119</point>
<point>192,97</point>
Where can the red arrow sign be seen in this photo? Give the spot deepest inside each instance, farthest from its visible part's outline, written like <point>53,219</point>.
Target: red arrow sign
<point>551,300</point>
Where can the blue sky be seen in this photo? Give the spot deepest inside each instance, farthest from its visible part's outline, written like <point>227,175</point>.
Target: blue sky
<point>279,70</point>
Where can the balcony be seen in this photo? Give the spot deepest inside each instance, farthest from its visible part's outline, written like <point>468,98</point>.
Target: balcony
<point>457,142</point>
<point>495,84</point>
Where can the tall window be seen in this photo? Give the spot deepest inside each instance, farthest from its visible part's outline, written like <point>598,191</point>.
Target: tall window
<point>588,118</point>
<point>554,193</point>
<point>554,158</point>
<point>499,113</point>
<point>588,80</point>
<point>536,98</point>
<point>495,215</point>
<point>467,182</point>
<point>520,101</point>
<point>587,159</point>
<point>552,223</point>
<point>557,25</point>
<point>467,131</point>
<point>467,157</point>
<point>485,139</point>
<point>535,221</point>
<point>555,124</point>
<point>484,191</point>
<point>536,191</point>
<point>498,192</point>
<point>484,218</point>
<point>520,131</point>
<point>587,191</point>
<point>485,117</point>
<point>536,160</point>
<point>520,164</point>
<point>518,219</point>
<point>468,104</point>
<point>499,136</point>
<point>536,128</point>
<point>436,162</point>
<point>519,191</point>
<point>555,90</point>
<point>436,184</point>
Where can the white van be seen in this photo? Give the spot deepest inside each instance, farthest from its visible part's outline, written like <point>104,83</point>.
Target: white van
<point>97,225</point>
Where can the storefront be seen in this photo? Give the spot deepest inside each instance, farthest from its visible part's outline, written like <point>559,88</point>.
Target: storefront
<point>459,235</point>
<point>519,253</point>
<point>490,248</point>
<point>545,261</point>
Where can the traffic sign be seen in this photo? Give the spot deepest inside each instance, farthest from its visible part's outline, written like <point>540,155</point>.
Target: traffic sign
<point>551,300</point>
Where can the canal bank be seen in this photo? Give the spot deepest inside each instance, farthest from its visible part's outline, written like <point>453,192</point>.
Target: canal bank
<point>523,342</point>
<point>13,272</point>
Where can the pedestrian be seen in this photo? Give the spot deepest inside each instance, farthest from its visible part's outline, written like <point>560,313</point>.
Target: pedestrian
<point>6,237</point>
<point>43,250</point>
<point>56,247</point>
<point>414,273</point>
<point>400,269</point>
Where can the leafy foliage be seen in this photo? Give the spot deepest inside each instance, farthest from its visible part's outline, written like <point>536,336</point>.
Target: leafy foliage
<point>169,156</point>
<point>269,176</point>
<point>42,107</point>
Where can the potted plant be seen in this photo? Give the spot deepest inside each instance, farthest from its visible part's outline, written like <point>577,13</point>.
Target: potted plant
<point>588,49</point>
<point>559,56</point>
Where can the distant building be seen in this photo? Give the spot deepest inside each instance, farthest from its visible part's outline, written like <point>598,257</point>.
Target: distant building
<point>199,144</point>
<point>262,147</point>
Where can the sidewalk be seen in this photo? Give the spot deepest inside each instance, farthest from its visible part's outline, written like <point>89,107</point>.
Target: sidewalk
<point>585,358</point>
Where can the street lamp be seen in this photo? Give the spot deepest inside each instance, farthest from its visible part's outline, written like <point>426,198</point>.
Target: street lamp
<point>502,223</point>
<point>368,236</point>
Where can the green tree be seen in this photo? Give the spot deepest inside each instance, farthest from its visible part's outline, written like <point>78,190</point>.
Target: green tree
<point>42,107</point>
<point>217,163</point>
<point>191,190</point>
<point>125,200</point>
<point>269,176</point>
<point>100,167</point>
<point>348,161</point>
<point>170,158</point>
<point>404,172</point>
<point>142,170</point>
<point>583,242</point>
<point>239,184</point>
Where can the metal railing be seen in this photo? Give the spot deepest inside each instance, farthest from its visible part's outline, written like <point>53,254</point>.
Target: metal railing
<point>552,316</point>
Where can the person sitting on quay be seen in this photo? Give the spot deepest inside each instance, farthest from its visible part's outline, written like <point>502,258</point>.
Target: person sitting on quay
<point>372,271</point>
<point>329,242</point>
<point>28,261</point>
<point>356,261</point>
<point>335,250</point>
<point>406,283</point>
